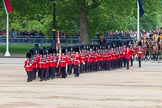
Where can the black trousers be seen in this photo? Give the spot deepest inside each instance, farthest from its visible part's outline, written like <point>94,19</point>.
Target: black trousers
<point>89,66</point>
<point>63,72</point>
<point>44,74</point>
<point>131,61</point>
<point>113,64</point>
<point>127,62</point>
<point>34,72</point>
<point>95,66</point>
<point>76,70</point>
<point>121,62</point>
<point>117,63</point>
<point>102,65</point>
<point>99,65</point>
<point>81,68</point>
<point>86,67</point>
<point>105,65</point>
<point>69,70</point>
<point>124,61</point>
<point>139,61</point>
<point>29,76</point>
<point>108,65</point>
<point>41,70</point>
<point>52,72</point>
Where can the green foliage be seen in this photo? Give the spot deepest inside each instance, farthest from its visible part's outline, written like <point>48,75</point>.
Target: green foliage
<point>110,15</point>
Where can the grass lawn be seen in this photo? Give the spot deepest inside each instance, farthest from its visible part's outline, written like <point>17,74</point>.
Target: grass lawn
<point>16,48</point>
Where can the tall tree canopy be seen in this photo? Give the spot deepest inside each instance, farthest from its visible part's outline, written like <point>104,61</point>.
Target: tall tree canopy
<point>83,16</point>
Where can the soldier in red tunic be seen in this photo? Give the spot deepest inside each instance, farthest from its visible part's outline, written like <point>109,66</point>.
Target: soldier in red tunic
<point>139,53</point>
<point>70,61</point>
<point>46,65</point>
<point>95,59</point>
<point>41,65</point>
<point>52,59</point>
<point>109,58</point>
<point>81,50</point>
<point>34,63</point>
<point>127,56</point>
<point>28,67</point>
<point>63,62</point>
<point>132,53</point>
<point>124,59</point>
<point>98,59</point>
<point>77,60</point>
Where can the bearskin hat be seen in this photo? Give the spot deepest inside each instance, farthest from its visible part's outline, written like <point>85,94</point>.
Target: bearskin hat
<point>54,50</point>
<point>139,43</point>
<point>32,51</point>
<point>41,52</point>
<point>50,51</point>
<point>28,55</point>
<point>63,50</point>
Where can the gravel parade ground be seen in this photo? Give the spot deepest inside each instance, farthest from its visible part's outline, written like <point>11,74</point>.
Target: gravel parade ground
<point>121,88</point>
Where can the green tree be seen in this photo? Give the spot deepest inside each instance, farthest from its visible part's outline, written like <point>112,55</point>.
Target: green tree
<point>84,16</point>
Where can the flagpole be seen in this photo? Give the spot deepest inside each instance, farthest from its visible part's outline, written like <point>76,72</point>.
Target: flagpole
<point>138,25</point>
<point>7,33</point>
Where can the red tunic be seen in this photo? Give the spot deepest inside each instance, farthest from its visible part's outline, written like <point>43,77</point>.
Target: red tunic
<point>90,58</point>
<point>63,61</point>
<point>34,64</point>
<point>77,59</point>
<point>41,62</point>
<point>132,52</point>
<point>127,54</point>
<point>46,64</point>
<point>110,55</point>
<point>139,53</point>
<point>85,59</point>
<point>70,60</point>
<point>95,57</point>
<point>27,66</point>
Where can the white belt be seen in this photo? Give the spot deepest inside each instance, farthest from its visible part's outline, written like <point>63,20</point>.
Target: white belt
<point>42,62</point>
<point>63,61</point>
<point>51,61</point>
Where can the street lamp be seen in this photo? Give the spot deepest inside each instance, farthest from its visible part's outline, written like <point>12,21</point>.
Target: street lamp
<point>54,22</point>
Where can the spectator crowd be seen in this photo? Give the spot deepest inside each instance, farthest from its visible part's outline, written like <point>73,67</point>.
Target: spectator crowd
<point>128,34</point>
<point>76,35</point>
<point>23,34</point>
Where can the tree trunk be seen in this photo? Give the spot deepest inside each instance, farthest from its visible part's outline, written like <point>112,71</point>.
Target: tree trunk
<point>83,27</point>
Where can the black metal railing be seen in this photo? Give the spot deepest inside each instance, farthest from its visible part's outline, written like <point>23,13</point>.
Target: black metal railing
<point>64,41</point>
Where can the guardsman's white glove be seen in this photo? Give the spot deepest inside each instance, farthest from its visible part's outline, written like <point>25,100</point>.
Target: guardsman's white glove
<point>66,68</point>
<point>83,63</point>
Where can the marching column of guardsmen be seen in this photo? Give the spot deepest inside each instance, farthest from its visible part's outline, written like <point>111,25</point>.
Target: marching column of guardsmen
<point>48,63</point>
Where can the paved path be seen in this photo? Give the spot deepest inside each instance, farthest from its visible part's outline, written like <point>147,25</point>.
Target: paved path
<point>13,55</point>
<point>134,88</point>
